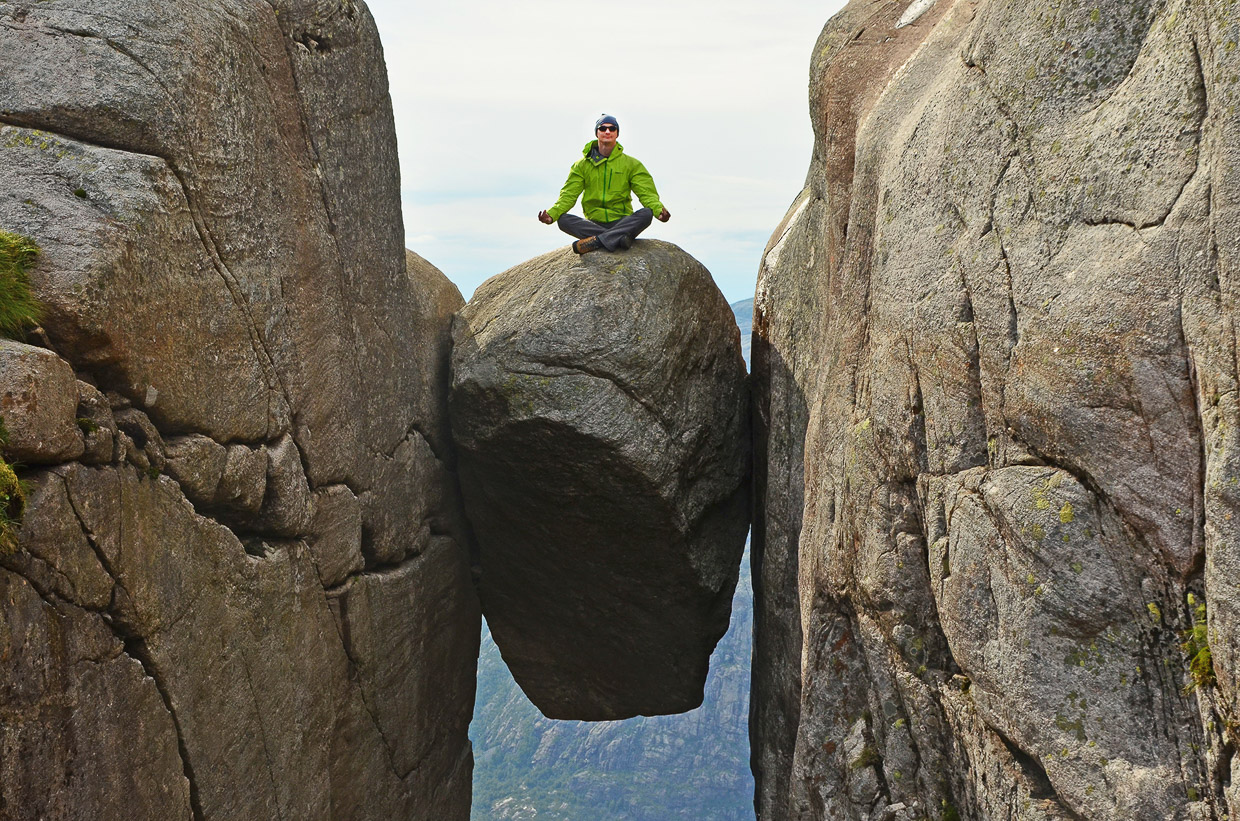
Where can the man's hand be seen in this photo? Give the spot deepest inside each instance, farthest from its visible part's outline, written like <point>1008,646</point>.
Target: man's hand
<point>665,216</point>
<point>545,218</point>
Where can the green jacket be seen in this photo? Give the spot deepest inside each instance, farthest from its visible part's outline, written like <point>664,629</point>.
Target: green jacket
<point>608,185</point>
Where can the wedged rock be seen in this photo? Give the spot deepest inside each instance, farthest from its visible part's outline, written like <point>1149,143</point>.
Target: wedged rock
<point>145,437</point>
<point>244,480</point>
<point>38,403</point>
<point>197,463</point>
<point>288,505</point>
<point>336,534</point>
<point>599,409</point>
<point>97,423</point>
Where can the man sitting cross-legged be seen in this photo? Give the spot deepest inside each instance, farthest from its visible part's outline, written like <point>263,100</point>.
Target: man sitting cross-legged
<point>606,178</point>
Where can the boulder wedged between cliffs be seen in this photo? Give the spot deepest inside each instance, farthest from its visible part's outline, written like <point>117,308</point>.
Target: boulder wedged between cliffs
<point>599,406</point>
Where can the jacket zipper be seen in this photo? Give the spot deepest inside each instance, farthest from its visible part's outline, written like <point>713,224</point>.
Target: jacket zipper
<point>606,180</point>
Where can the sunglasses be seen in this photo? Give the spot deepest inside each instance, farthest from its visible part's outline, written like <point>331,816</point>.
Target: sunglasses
<point>608,128</point>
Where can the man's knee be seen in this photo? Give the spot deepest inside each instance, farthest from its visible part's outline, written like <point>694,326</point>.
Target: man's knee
<point>642,217</point>
<point>575,226</point>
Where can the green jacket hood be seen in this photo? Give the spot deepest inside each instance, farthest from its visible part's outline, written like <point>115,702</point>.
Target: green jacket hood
<point>615,152</point>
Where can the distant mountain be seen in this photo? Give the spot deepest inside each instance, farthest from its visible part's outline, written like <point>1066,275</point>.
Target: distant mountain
<point>690,766</point>
<point>744,318</point>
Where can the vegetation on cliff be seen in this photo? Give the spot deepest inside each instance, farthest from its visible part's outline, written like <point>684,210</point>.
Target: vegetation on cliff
<point>18,307</point>
<point>18,310</point>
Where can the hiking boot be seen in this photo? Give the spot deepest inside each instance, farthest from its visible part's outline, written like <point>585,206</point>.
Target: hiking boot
<point>624,243</point>
<point>585,246</point>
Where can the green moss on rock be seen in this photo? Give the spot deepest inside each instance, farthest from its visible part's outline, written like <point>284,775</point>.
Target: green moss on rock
<point>1196,647</point>
<point>12,506</point>
<point>869,757</point>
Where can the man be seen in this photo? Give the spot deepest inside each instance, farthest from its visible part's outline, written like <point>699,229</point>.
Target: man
<point>608,177</point>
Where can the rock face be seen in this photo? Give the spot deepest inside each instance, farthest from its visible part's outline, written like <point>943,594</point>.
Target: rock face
<point>39,388</point>
<point>997,418</point>
<point>241,588</point>
<point>599,408</point>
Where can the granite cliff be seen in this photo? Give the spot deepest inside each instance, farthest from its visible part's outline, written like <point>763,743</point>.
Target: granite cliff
<point>995,533</point>
<point>241,587</point>
<point>995,409</point>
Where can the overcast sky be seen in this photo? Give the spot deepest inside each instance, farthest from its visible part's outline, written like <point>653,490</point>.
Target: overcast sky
<point>495,99</point>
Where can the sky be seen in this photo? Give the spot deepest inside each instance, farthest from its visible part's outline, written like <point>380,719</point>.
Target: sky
<point>494,100</point>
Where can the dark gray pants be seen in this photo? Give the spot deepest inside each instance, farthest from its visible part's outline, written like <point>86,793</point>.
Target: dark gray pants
<point>610,234</point>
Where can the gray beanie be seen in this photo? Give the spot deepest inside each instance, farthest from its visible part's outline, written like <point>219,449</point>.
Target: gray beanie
<point>607,119</point>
